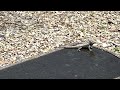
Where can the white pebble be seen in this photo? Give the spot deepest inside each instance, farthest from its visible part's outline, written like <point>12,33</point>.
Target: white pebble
<point>104,45</point>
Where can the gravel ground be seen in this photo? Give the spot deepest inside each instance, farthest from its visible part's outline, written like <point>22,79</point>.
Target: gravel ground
<point>27,34</point>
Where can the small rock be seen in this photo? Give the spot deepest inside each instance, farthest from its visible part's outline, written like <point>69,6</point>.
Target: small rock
<point>104,45</point>
<point>2,37</point>
<point>98,41</point>
<point>110,22</point>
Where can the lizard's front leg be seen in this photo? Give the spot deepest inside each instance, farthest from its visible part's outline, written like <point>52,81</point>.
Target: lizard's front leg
<point>90,48</point>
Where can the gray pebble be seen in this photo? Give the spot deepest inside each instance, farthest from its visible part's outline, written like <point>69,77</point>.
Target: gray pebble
<point>2,37</point>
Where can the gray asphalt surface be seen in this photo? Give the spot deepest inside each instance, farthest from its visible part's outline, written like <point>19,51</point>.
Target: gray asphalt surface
<point>67,64</point>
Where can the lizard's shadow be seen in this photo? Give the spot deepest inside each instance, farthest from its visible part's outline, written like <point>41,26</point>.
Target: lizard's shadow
<point>83,50</point>
<point>96,54</point>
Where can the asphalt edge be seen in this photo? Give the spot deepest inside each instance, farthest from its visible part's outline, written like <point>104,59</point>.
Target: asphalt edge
<point>31,58</point>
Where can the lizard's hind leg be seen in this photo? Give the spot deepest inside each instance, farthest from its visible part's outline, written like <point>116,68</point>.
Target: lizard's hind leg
<point>79,48</point>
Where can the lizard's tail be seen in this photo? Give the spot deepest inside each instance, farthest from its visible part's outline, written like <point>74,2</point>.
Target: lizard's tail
<point>69,47</point>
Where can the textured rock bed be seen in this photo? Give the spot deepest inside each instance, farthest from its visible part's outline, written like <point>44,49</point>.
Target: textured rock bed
<point>28,34</point>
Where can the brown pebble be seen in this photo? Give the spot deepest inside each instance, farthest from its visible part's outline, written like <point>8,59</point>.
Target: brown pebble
<point>116,30</point>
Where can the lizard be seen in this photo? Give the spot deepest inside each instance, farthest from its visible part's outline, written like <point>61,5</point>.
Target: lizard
<point>79,46</point>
